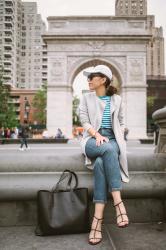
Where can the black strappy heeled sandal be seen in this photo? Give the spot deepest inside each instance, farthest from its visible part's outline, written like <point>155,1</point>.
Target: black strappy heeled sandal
<point>121,214</point>
<point>94,234</point>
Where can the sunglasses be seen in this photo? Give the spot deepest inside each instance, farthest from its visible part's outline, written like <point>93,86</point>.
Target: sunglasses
<point>91,76</point>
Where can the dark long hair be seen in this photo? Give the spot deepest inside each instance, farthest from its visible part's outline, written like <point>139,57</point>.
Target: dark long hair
<point>110,89</point>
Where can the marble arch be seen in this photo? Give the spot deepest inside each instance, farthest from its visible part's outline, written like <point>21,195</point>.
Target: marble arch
<point>75,42</point>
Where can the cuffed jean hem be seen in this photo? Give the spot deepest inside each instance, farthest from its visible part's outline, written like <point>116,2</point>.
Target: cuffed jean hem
<point>115,189</point>
<point>99,201</point>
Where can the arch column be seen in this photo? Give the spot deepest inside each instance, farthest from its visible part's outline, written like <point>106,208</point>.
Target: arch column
<point>59,96</point>
<point>134,97</point>
<point>59,110</point>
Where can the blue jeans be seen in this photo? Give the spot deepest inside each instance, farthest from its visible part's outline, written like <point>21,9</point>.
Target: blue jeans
<point>107,175</point>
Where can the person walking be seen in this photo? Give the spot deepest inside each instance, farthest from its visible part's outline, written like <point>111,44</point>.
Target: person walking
<point>24,135</point>
<point>103,144</point>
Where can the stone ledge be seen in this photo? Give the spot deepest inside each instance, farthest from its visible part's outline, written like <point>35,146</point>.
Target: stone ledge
<point>19,213</point>
<point>21,177</point>
<point>24,186</point>
<point>53,161</point>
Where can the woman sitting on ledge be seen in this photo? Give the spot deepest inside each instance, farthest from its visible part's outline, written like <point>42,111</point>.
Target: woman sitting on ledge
<point>101,116</point>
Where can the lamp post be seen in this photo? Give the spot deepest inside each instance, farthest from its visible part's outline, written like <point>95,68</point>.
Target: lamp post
<point>26,109</point>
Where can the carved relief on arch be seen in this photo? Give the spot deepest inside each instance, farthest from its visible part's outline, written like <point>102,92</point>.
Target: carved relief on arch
<point>57,69</point>
<point>136,69</point>
<point>96,45</point>
<point>119,62</point>
<point>74,61</point>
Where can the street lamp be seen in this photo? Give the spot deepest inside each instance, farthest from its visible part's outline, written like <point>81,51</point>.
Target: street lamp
<point>26,109</point>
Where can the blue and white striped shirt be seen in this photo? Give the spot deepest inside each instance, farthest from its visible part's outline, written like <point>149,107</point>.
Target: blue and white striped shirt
<point>106,119</point>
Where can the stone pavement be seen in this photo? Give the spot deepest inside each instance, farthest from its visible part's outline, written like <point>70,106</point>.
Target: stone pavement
<point>23,238</point>
<point>132,146</point>
<point>136,237</point>
<point>139,236</point>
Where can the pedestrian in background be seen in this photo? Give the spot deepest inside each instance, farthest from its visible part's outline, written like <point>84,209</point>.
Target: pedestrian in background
<point>59,134</point>
<point>101,115</point>
<point>7,133</point>
<point>2,135</point>
<point>24,130</point>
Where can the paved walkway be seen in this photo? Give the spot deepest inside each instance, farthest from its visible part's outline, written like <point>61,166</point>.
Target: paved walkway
<point>132,146</point>
<point>23,238</point>
<point>135,237</point>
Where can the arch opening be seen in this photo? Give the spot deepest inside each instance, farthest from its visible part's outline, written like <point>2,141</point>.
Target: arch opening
<point>79,82</point>
<point>80,85</point>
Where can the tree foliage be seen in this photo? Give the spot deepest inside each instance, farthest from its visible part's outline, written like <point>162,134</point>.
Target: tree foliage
<point>150,101</point>
<point>8,118</point>
<point>39,103</point>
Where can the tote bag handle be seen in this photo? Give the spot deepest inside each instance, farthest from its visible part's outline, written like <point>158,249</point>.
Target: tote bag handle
<point>63,176</point>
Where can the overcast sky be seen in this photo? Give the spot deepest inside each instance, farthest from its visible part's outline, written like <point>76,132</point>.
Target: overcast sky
<point>95,7</point>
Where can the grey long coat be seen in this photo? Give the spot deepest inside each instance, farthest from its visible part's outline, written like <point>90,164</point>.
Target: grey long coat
<point>91,110</point>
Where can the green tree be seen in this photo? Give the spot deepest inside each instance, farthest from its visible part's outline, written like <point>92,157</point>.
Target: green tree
<point>39,103</point>
<point>8,117</point>
<point>76,120</point>
<point>150,101</point>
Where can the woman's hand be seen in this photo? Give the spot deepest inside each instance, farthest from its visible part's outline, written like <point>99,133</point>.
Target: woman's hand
<point>100,139</point>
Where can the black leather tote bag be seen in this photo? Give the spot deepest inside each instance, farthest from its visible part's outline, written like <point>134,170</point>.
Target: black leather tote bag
<point>63,211</point>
